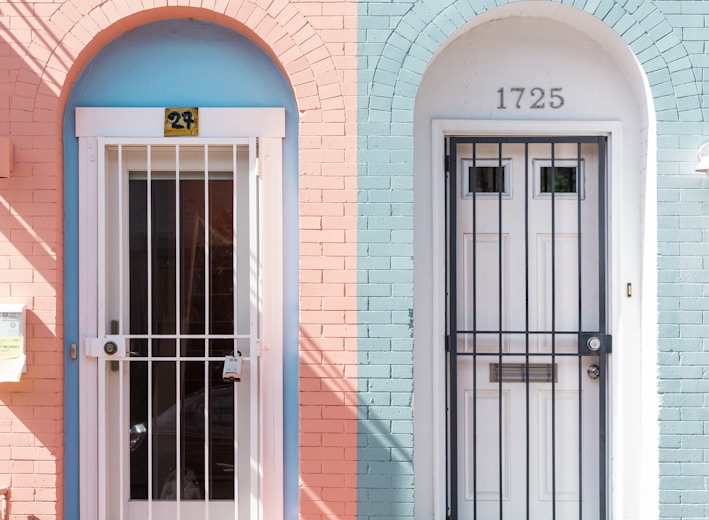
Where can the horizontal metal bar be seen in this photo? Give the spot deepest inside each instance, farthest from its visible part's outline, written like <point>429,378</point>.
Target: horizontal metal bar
<point>187,336</point>
<point>524,139</point>
<point>509,354</point>
<point>185,359</point>
<point>531,332</point>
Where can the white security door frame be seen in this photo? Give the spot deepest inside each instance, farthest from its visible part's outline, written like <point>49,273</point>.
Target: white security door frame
<point>263,131</point>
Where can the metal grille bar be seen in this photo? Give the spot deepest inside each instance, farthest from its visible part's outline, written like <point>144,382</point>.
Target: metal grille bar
<point>553,343</point>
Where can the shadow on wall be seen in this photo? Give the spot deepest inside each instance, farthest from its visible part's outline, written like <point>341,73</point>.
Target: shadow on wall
<point>30,263</point>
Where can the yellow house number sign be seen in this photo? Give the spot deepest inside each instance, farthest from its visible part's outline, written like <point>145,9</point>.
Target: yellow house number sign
<point>181,121</point>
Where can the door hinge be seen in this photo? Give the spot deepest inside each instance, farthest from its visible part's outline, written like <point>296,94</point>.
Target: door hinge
<point>448,343</point>
<point>447,163</point>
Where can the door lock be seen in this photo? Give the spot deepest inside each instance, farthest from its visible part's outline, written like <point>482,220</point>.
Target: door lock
<point>594,372</point>
<point>110,348</point>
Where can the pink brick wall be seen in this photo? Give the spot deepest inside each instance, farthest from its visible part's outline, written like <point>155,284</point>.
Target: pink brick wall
<point>43,47</point>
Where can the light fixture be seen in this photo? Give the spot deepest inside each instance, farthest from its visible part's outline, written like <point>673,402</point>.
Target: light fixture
<point>6,159</point>
<point>703,165</point>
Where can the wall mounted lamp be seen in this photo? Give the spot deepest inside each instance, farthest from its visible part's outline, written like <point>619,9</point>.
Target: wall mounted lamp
<point>703,165</point>
<point>6,159</point>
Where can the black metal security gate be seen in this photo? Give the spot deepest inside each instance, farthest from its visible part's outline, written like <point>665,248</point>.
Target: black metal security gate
<point>527,330</point>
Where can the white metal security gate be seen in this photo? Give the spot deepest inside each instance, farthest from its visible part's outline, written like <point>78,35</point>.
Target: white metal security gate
<point>527,335</point>
<point>178,291</point>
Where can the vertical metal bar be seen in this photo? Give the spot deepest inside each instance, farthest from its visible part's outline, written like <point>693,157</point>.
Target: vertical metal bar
<point>122,214</point>
<point>526,328</point>
<point>475,322</point>
<point>102,441</point>
<point>150,429</point>
<point>101,328</point>
<point>579,267</point>
<point>235,303</point>
<point>553,330</point>
<point>499,325</point>
<point>603,366</point>
<point>122,428</point>
<point>207,281</point>
<point>149,224</point>
<point>179,435</point>
<point>207,326</point>
<point>256,425</point>
<point>452,328</point>
<point>207,408</point>
<point>178,255</point>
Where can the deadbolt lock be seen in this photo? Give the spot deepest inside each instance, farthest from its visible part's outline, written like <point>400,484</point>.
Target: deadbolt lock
<point>110,348</point>
<point>594,372</point>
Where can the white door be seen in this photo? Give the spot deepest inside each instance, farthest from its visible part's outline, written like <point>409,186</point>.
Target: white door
<point>179,285</point>
<point>527,288</point>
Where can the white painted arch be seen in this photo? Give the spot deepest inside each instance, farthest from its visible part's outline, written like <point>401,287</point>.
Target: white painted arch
<point>547,45</point>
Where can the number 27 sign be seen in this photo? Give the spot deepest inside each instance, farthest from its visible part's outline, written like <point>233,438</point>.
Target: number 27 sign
<point>181,121</point>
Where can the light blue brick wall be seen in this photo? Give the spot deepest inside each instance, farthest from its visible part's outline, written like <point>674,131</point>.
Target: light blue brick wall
<point>396,42</point>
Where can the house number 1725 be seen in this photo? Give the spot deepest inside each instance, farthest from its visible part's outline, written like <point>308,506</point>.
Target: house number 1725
<point>535,97</point>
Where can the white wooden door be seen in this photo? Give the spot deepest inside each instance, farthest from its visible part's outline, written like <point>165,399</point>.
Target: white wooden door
<point>527,280</point>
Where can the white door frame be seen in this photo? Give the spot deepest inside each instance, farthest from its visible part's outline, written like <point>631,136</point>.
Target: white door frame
<point>266,124</point>
<point>632,445</point>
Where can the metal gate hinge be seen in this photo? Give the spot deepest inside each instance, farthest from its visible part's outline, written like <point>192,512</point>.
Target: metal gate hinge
<point>448,343</point>
<point>447,163</point>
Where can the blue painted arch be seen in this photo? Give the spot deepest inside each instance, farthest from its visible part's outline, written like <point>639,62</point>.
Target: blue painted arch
<point>182,62</point>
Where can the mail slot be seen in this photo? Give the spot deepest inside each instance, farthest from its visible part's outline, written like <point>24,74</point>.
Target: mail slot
<point>523,372</point>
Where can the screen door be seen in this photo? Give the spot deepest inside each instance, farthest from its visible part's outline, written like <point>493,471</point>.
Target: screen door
<point>527,330</point>
<point>179,292</point>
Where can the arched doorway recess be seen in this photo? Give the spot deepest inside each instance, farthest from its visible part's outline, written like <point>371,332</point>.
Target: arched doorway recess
<point>225,170</point>
<point>513,75</point>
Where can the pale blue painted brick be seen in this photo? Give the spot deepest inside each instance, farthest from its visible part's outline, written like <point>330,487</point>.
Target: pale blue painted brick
<point>695,414</point>
<point>633,33</point>
<point>669,442</point>
<point>387,331</point>
<point>367,316</point>
<point>374,398</point>
<point>694,7</point>
<point>372,208</point>
<point>624,23</point>
<point>681,482</point>
<point>401,263</point>
<point>389,303</point>
<point>381,236</point>
<point>695,497</point>
<point>591,6</point>
<point>391,385</point>
<point>393,468</point>
<point>390,250</point>
<point>392,358</point>
<point>375,344</point>
<point>674,469</point>
<point>390,412</point>
<point>669,497</point>
<point>374,372</point>
<point>604,7</point>
<point>365,263</point>
<point>682,63</point>
<point>677,316</point>
<point>365,23</point>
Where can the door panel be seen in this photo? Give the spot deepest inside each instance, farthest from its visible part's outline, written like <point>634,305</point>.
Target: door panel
<point>526,288</point>
<point>179,279</point>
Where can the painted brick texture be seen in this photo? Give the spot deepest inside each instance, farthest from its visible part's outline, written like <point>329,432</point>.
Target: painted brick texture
<point>397,41</point>
<point>43,47</point>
